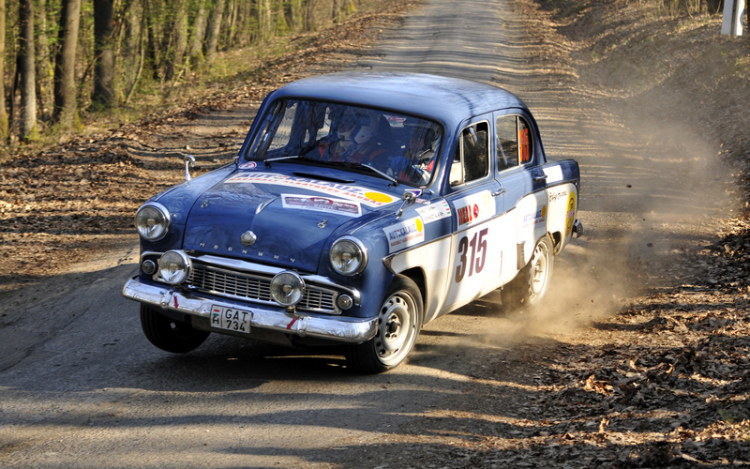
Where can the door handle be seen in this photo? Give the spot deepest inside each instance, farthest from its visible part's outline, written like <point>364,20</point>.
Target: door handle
<point>540,178</point>
<point>498,192</point>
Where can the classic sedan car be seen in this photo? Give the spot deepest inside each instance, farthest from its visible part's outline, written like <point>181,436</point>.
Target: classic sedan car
<point>360,207</point>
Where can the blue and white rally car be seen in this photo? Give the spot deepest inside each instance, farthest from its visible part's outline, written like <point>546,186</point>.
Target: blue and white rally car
<point>360,207</point>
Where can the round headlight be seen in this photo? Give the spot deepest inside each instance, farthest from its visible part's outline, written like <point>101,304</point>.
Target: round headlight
<point>348,256</point>
<point>174,267</point>
<point>152,221</point>
<point>287,288</point>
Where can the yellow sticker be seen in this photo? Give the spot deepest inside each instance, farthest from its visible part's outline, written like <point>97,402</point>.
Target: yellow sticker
<point>379,197</point>
<point>570,217</point>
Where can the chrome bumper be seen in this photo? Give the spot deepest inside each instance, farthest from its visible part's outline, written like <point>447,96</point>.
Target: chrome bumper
<point>339,329</point>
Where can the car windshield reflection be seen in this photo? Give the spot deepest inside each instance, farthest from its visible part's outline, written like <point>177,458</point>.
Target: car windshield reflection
<point>397,146</point>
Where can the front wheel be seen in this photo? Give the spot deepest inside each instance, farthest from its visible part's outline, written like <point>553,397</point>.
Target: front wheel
<point>399,322</point>
<point>168,334</point>
<point>531,284</point>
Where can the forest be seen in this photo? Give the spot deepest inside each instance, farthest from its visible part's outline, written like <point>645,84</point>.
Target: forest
<point>62,58</point>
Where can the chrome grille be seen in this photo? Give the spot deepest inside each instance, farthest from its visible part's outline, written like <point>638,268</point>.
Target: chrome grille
<point>255,288</point>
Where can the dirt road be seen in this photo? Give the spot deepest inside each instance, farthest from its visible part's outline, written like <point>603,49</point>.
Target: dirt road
<point>81,387</point>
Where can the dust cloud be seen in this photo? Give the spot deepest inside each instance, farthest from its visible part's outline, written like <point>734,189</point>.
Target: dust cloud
<point>651,190</point>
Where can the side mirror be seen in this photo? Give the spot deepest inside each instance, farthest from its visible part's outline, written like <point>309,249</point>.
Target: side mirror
<point>408,197</point>
<point>189,163</point>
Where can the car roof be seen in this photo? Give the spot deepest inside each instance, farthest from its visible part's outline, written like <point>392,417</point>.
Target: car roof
<point>449,100</point>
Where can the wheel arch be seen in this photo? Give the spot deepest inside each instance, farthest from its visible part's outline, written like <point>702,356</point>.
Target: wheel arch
<point>556,238</point>
<point>417,275</point>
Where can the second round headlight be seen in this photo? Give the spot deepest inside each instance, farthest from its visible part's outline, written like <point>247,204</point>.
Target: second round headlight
<point>348,256</point>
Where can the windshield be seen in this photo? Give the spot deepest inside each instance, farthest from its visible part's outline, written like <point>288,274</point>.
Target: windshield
<point>403,147</point>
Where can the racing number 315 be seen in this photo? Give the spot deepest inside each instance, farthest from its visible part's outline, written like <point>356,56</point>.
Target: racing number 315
<point>474,261</point>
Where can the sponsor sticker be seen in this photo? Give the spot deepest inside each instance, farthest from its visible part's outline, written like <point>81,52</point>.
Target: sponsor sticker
<point>474,209</point>
<point>570,217</point>
<point>557,194</point>
<point>531,219</point>
<point>249,165</point>
<point>435,212</point>
<point>365,196</point>
<point>321,204</point>
<point>405,234</point>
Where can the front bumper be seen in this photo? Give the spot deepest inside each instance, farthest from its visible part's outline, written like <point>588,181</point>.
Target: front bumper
<point>338,329</point>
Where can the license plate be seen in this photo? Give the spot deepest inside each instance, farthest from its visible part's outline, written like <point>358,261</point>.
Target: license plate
<point>231,319</point>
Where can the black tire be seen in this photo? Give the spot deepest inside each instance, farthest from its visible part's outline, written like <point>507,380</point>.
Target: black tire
<point>168,334</point>
<point>530,286</point>
<point>400,319</point>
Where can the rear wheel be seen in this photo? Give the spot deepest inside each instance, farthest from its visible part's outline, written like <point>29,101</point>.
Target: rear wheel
<point>168,334</point>
<point>399,322</point>
<point>531,284</point>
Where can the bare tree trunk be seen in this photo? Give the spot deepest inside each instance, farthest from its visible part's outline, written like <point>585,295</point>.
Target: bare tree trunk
<point>264,19</point>
<point>27,68</point>
<point>181,37</point>
<point>65,85</point>
<point>142,41</point>
<point>309,15</point>
<point>44,69</point>
<point>153,52</point>
<point>214,29</point>
<point>197,35</point>
<point>232,28</point>
<point>3,111</point>
<point>337,7</point>
<point>104,70</point>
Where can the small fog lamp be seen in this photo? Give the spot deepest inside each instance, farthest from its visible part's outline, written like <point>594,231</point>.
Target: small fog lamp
<point>174,267</point>
<point>287,288</point>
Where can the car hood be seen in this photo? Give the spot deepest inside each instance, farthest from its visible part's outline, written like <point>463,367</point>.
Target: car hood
<point>278,219</point>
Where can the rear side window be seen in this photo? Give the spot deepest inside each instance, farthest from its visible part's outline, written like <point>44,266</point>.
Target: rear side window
<point>514,146</point>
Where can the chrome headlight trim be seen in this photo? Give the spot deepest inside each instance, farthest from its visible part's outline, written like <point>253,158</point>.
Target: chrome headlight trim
<point>359,249</point>
<point>144,230</point>
<point>175,267</point>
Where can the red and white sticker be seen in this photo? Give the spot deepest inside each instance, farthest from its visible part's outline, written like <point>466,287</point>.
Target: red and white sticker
<point>474,209</point>
<point>249,165</point>
<point>321,204</point>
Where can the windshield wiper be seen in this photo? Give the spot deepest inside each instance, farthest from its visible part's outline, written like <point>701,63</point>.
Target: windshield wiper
<point>351,164</point>
<point>267,161</point>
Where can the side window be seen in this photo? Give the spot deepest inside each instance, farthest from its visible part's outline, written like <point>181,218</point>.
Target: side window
<point>471,160</point>
<point>513,142</point>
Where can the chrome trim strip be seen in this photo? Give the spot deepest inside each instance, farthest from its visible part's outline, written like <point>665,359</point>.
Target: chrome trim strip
<point>319,280</point>
<point>150,253</point>
<point>339,329</point>
<point>238,264</point>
